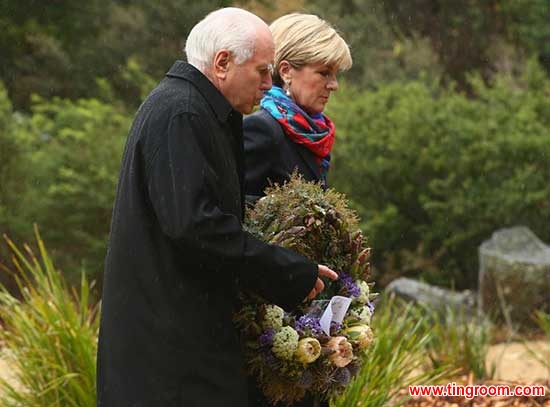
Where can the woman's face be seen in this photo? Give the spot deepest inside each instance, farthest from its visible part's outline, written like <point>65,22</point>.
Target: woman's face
<point>311,85</point>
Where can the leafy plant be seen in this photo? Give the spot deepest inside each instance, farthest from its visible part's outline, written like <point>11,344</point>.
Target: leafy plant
<point>49,335</point>
<point>460,341</point>
<point>433,173</point>
<point>70,154</point>
<point>397,358</point>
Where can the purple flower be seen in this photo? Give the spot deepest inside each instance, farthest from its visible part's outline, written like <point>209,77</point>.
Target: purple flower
<point>371,307</point>
<point>349,287</point>
<point>335,327</point>
<point>271,361</point>
<point>309,325</point>
<point>266,338</point>
<point>342,376</point>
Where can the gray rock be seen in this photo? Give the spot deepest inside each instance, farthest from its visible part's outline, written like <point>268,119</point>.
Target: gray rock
<point>435,298</point>
<point>514,276</point>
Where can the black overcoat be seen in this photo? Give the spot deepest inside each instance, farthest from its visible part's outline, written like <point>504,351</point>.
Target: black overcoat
<point>271,156</point>
<point>177,253</point>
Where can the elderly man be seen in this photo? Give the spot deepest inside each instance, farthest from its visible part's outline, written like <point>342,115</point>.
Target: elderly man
<point>177,252</point>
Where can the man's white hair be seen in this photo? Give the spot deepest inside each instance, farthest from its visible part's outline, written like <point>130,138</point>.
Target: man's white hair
<point>228,28</point>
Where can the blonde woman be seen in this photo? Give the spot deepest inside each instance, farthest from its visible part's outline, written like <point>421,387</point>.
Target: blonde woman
<point>290,132</point>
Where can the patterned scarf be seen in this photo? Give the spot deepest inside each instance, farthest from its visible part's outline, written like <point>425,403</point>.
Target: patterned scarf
<point>315,132</point>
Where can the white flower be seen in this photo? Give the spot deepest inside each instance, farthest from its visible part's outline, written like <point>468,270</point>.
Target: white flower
<point>273,317</point>
<point>365,291</point>
<point>365,315</point>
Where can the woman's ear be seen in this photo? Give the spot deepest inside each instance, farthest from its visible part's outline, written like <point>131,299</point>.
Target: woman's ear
<point>222,59</point>
<point>284,70</point>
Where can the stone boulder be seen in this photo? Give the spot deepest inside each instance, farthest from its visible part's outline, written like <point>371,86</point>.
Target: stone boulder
<point>514,276</point>
<point>434,298</point>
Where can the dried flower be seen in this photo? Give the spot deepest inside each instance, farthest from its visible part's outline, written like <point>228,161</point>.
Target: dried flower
<point>266,338</point>
<point>306,381</point>
<point>309,349</point>
<point>285,343</point>
<point>365,315</point>
<point>287,352</point>
<point>363,298</point>
<point>349,287</point>
<point>273,317</point>
<point>342,351</point>
<point>361,334</point>
<point>342,376</point>
<point>308,325</point>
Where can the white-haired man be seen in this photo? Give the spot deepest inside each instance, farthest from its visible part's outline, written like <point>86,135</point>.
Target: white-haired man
<point>177,251</point>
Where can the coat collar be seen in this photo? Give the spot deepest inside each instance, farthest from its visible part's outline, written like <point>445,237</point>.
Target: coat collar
<point>219,103</point>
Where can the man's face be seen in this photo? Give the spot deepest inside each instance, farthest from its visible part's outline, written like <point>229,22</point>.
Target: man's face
<point>245,83</point>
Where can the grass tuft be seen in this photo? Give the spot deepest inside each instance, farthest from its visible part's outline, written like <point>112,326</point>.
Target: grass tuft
<point>397,359</point>
<point>49,335</point>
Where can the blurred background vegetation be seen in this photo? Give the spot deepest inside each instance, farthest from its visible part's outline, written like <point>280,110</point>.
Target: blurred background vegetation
<point>443,123</point>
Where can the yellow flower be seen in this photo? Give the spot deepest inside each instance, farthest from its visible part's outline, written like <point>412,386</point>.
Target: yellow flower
<point>342,351</point>
<point>309,349</point>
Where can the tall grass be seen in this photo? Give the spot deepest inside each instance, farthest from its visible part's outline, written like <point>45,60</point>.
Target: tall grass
<point>49,335</point>
<point>461,341</point>
<point>397,359</point>
<point>543,321</point>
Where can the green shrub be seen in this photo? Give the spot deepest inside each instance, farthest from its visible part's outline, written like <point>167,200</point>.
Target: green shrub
<point>70,154</point>
<point>10,171</point>
<point>49,336</point>
<point>433,173</point>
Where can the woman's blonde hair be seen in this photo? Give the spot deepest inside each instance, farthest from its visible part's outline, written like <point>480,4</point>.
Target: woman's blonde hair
<point>302,39</point>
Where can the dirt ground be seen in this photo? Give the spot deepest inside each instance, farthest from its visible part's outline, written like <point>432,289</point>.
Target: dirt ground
<point>5,372</point>
<point>515,361</point>
<point>516,364</point>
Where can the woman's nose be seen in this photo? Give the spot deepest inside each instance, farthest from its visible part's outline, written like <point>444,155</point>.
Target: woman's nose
<point>332,83</point>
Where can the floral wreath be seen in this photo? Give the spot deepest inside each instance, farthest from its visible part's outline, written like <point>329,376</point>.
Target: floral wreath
<point>320,346</point>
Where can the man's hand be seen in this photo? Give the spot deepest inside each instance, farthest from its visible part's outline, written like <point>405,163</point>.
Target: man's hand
<point>319,285</point>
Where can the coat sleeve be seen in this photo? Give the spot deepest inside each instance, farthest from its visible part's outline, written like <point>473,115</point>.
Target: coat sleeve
<point>181,185</point>
<point>262,154</point>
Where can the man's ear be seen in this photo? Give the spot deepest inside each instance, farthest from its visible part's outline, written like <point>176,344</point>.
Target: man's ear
<point>284,70</point>
<point>222,59</point>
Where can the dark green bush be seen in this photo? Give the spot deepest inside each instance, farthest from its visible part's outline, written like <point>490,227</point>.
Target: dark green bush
<point>433,173</point>
<point>69,156</point>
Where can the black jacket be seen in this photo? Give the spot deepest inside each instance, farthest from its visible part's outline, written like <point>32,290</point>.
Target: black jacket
<point>271,156</point>
<point>177,251</point>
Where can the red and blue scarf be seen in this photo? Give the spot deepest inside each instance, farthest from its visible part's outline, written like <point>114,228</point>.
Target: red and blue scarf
<point>315,132</point>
